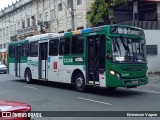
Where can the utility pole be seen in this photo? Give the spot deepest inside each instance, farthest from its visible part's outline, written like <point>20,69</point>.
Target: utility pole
<point>111,17</point>
<point>71,12</point>
<point>72,15</point>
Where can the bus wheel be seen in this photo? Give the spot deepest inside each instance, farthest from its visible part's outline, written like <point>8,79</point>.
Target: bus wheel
<point>28,77</point>
<point>80,82</point>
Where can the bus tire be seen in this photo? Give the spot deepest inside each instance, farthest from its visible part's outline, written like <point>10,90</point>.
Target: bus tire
<point>28,76</point>
<point>80,82</point>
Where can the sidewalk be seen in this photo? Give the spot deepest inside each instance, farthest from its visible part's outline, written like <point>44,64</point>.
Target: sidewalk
<point>154,77</point>
<point>153,82</point>
<point>154,74</point>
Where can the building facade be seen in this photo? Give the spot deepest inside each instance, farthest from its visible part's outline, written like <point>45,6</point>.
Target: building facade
<point>31,17</point>
<point>144,14</point>
<point>141,13</point>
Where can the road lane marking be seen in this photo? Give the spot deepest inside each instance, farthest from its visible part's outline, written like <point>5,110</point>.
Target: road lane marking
<point>30,87</point>
<point>94,101</point>
<point>146,91</point>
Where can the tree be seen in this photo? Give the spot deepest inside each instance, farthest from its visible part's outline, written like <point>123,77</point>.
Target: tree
<point>103,9</point>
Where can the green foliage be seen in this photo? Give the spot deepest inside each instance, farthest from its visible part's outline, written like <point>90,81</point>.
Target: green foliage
<point>102,9</point>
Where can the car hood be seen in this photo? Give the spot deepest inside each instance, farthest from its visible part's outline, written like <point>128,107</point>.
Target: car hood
<point>1,65</point>
<point>13,106</point>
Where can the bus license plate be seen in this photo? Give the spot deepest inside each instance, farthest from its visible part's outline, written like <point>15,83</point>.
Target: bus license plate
<point>134,82</point>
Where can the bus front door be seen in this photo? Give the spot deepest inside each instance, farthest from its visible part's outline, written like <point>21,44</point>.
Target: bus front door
<point>95,58</point>
<point>43,60</point>
<point>17,61</point>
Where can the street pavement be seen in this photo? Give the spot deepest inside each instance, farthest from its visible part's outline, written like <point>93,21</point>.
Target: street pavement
<point>50,96</point>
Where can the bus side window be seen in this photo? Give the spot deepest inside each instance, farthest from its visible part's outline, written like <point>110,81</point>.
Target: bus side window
<point>53,47</point>
<point>64,48</point>
<point>12,51</point>
<point>77,45</point>
<point>25,50</point>
<point>34,49</point>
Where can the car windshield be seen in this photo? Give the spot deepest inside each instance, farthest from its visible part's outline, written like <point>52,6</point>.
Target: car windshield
<point>128,50</point>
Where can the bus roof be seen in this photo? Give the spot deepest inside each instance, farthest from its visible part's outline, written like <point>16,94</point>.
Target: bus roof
<point>128,26</point>
<point>96,29</point>
<point>44,36</point>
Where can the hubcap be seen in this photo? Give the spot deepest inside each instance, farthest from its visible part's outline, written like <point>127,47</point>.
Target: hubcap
<point>27,77</point>
<point>79,82</point>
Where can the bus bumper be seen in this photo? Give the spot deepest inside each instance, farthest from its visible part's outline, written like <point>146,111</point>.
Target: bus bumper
<point>122,82</point>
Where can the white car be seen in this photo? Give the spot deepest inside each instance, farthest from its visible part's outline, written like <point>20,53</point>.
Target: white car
<point>3,68</point>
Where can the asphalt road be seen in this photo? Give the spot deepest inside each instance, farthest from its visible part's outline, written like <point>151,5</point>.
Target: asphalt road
<point>47,96</point>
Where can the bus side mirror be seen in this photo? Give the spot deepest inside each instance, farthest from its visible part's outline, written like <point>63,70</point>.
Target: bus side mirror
<point>109,56</point>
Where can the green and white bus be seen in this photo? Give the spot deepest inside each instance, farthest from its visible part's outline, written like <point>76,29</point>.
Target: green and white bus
<point>108,56</point>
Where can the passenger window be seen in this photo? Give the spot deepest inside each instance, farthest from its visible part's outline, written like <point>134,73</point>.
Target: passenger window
<point>25,51</point>
<point>77,44</point>
<point>53,47</point>
<point>34,49</point>
<point>64,46</point>
<point>12,51</point>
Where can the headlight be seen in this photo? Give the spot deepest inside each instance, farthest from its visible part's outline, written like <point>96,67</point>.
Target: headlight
<point>112,72</point>
<point>115,74</point>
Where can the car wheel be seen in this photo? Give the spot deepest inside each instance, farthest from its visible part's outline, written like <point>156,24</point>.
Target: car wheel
<point>80,82</point>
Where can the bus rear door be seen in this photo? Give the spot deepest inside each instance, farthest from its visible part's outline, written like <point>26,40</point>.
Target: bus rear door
<point>43,60</point>
<point>17,61</point>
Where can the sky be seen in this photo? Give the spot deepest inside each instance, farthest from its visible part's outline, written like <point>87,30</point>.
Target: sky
<point>4,3</point>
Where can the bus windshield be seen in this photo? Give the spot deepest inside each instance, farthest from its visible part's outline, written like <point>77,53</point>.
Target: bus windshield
<point>128,50</point>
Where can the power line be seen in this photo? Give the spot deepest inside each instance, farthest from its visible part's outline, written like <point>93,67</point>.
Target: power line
<point>66,6</point>
<point>71,12</point>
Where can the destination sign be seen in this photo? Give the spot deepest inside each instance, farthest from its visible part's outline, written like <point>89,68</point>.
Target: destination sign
<point>126,30</point>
